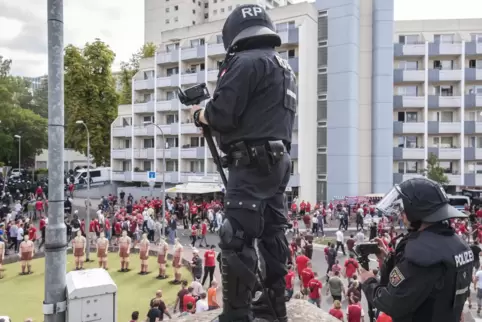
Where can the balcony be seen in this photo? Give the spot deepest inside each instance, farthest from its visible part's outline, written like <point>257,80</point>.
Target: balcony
<point>143,84</point>
<point>193,53</point>
<point>144,107</point>
<point>435,127</point>
<point>193,153</point>
<point>121,153</point>
<point>167,105</point>
<point>168,81</point>
<point>445,48</point>
<point>472,179</point>
<point>403,101</point>
<point>472,100</point>
<point>402,75</point>
<point>400,177</point>
<point>417,49</point>
<point>473,74</point>
<point>167,153</point>
<point>145,153</point>
<point>473,48</point>
<point>408,127</point>
<point>444,75</point>
<point>189,128</point>
<point>213,75</point>
<point>445,153</point>
<point>168,57</point>
<point>212,177</point>
<point>192,78</point>
<point>408,153</point>
<point>472,154</point>
<point>216,50</point>
<point>144,130</point>
<point>472,127</point>
<point>289,36</point>
<point>454,179</point>
<point>436,101</point>
<point>121,176</point>
<point>121,131</point>
<point>294,63</point>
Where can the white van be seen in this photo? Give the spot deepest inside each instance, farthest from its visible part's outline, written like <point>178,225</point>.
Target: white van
<point>458,201</point>
<point>96,175</point>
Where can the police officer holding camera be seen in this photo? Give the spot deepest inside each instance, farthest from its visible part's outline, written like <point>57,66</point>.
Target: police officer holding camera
<point>253,110</point>
<point>428,277</point>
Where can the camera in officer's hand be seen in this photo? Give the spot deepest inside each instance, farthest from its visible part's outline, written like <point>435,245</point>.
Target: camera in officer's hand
<point>366,249</point>
<point>193,95</point>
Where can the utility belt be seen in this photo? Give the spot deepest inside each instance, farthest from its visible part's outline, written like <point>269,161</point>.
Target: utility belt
<point>260,154</point>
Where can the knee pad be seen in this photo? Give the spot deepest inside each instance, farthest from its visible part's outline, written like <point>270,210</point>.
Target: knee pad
<point>231,237</point>
<point>275,252</point>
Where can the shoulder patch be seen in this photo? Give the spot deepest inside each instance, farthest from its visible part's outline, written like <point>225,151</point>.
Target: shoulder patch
<point>396,277</point>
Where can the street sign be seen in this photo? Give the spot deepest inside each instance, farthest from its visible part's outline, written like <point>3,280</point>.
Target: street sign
<point>151,176</point>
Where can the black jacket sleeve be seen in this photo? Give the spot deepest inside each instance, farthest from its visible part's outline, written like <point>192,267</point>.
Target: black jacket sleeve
<point>231,96</point>
<point>409,286</point>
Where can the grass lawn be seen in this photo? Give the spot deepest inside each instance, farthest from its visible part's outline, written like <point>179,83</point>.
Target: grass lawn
<point>324,240</point>
<point>21,296</point>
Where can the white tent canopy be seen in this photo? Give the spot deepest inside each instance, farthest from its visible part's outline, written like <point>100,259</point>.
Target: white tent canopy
<point>196,188</point>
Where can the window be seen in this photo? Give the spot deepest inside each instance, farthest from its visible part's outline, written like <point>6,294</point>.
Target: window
<point>411,142</point>
<point>408,117</point>
<point>206,16</point>
<point>126,121</point>
<point>176,8</point>
<point>444,90</point>
<point>172,118</point>
<point>215,1</point>
<point>197,42</point>
<point>476,90</point>
<point>219,39</point>
<point>284,26</point>
<point>199,3</point>
<point>476,37</point>
<point>446,166</point>
<point>147,165</point>
<point>196,166</point>
<point>172,47</point>
<point>446,38</point>
<point>230,8</point>
<point>126,165</point>
<point>443,64</point>
<point>148,143</point>
<point>172,71</point>
<point>171,165</point>
<point>215,12</point>
<point>172,142</point>
<point>443,142</point>
<point>148,74</point>
<point>167,9</point>
<point>445,116</point>
<point>222,9</point>
<point>148,97</point>
<point>411,167</point>
<point>167,21</point>
<point>148,119</point>
<point>291,53</point>
<point>206,5</point>
<point>170,95</point>
<point>194,11</point>
<point>408,39</point>
<point>408,91</point>
<point>127,144</point>
<point>408,65</point>
<point>193,22</point>
<point>175,19</point>
<point>197,141</point>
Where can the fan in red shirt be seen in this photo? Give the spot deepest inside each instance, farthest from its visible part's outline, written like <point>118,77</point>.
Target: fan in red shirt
<point>351,266</point>
<point>336,310</point>
<point>308,207</point>
<point>188,298</point>
<point>479,213</point>
<point>193,235</point>
<point>306,276</point>
<point>32,233</point>
<point>354,312</point>
<point>301,263</point>
<point>209,265</point>
<point>315,286</point>
<point>290,282</point>
<point>39,192</point>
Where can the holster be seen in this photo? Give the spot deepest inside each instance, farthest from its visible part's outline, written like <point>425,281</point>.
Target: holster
<point>261,155</point>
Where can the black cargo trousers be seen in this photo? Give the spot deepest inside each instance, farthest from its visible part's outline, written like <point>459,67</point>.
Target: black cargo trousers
<point>253,242</point>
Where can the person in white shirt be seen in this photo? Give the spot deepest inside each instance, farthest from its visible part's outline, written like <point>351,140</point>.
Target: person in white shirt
<point>340,239</point>
<point>360,237</point>
<point>202,304</point>
<point>478,284</point>
<point>219,220</point>
<point>20,233</point>
<point>18,207</point>
<point>314,221</point>
<point>197,288</point>
<point>101,217</point>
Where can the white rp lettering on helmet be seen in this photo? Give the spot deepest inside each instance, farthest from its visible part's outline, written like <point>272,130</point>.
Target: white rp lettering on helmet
<point>251,11</point>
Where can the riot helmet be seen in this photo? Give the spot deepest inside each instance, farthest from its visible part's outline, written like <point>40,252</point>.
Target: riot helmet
<point>249,22</point>
<point>421,199</point>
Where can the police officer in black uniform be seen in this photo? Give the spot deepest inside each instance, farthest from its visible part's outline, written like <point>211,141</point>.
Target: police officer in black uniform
<point>253,110</point>
<point>428,276</point>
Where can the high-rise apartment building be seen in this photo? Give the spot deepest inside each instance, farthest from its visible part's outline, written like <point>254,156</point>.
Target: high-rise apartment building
<point>437,106</point>
<point>35,82</point>
<point>341,118</point>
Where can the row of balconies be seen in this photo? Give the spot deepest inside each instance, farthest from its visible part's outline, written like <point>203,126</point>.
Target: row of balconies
<point>435,127</point>
<point>470,153</point>
<point>173,153</point>
<point>470,179</point>
<point>167,129</point>
<point>173,177</point>
<point>437,49</point>
<point>191,78</point>
<point>437,75</point>
<point>436,101</point>
<point>288,37</point>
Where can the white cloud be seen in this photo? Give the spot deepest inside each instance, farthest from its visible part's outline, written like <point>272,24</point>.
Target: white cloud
<point>23,29</point>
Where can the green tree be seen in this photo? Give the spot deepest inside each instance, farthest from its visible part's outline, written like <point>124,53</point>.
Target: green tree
<point>18,119</point>
<point>130,68</point>
<point>40,103</point>
<point>90,96</point>
<point>434,171</point>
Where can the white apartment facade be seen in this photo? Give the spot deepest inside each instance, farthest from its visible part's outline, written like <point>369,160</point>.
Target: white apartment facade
<point>72,159</point>
<point>192,55</point>
<point>438,99</point>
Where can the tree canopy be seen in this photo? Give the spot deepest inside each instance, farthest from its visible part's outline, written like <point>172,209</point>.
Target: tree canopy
<point>90,96</point>
<point>130,68</point>
<point>434,171</point>
<point>18,117</point>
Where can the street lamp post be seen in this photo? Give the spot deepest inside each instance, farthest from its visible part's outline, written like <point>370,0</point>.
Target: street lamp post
<point>19,152</point>
<point>87,220</point>
<point>163,194</point>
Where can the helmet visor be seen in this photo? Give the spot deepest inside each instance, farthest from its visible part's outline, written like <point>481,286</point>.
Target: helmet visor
<point>392,203</point>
